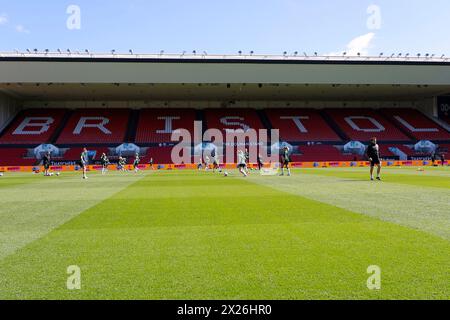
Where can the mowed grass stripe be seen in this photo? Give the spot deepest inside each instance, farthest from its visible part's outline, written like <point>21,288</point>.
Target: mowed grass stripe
<point>430,177</point>
<point>422,208</point>
<point>198,236</point>
<point>32,206</point>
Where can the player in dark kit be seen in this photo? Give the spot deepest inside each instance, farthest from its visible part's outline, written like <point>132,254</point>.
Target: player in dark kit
<point>136,162</point>
<point>285,160</point>
<point>373,154</point>
<point>105,162</point>
<point>46,163</point>
<point>260,162</point>
<point>84,160</point>
<point>151,163</point>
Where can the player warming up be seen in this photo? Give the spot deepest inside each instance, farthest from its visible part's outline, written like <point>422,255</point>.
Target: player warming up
<point>242,163</point>
<point>260,162</point>
<point>285,160</point>
<point>216,165</point>
<point>121,164</point>
<point>105,162</point>
<point>151,163</point>
<point>207,162</point>
<point>137,159</point>
<point>373,154</point>
<point>84,162</point>
<point>46,162</point>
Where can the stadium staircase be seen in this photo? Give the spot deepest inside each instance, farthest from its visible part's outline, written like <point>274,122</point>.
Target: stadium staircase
<point>61,127</point>
<point>333,125</point>
<point>130,135</point>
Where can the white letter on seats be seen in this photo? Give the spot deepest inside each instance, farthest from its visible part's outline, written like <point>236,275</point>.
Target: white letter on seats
<point>101,125</point>
<point>297,122</point>
<point>168,124</point>
<point>42,125</point>
<point>351,123</point>
<point>228,121</point>
<point>410,127</point>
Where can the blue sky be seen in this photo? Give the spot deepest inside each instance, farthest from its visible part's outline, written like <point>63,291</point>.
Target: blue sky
<point>225,27</point>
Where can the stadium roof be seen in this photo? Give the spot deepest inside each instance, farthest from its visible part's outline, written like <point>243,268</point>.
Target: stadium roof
<point>78,76</point>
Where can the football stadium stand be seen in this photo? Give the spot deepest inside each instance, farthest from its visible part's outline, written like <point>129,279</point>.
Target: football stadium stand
<point>33,126</point>
<point>321,153</point>
<point>73,154</point>
<point>157,125</point>
<point>103,126</point>
<point>232,119</point>
<point>317,135</point>
<point>416,124</point>
<point>16,157</point>
<point>362,124</point>
<point>301,125</point>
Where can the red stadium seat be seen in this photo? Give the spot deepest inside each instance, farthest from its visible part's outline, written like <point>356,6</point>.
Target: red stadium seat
<point>363,124</point>
<point>95,126</point>
<point>417,124</point>
<point>33,126</point>
<point>232,119</point>
<point>73,154</point>
<point>157,125</point>
<point>321,153</point>
<point>446,119</point>
<point>301,125</point>
<point>15,157</point>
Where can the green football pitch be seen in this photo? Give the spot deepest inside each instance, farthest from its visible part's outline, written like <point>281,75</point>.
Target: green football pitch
<point>199,235</point>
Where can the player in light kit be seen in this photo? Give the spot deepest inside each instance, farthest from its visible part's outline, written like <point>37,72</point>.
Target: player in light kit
<point>216,163</point>
<point>207,162</point>
<point>84,160</point>
<point>285,160</point>
<point>121,164</point>
<point>137,159</point>
<point>242,163</point>
<point>105,162</point>
<point>373,154</point>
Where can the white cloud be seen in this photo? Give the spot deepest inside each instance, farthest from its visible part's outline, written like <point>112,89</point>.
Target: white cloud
<point>21,29</point>
<point>360,44</point>
<point>3,19</point>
